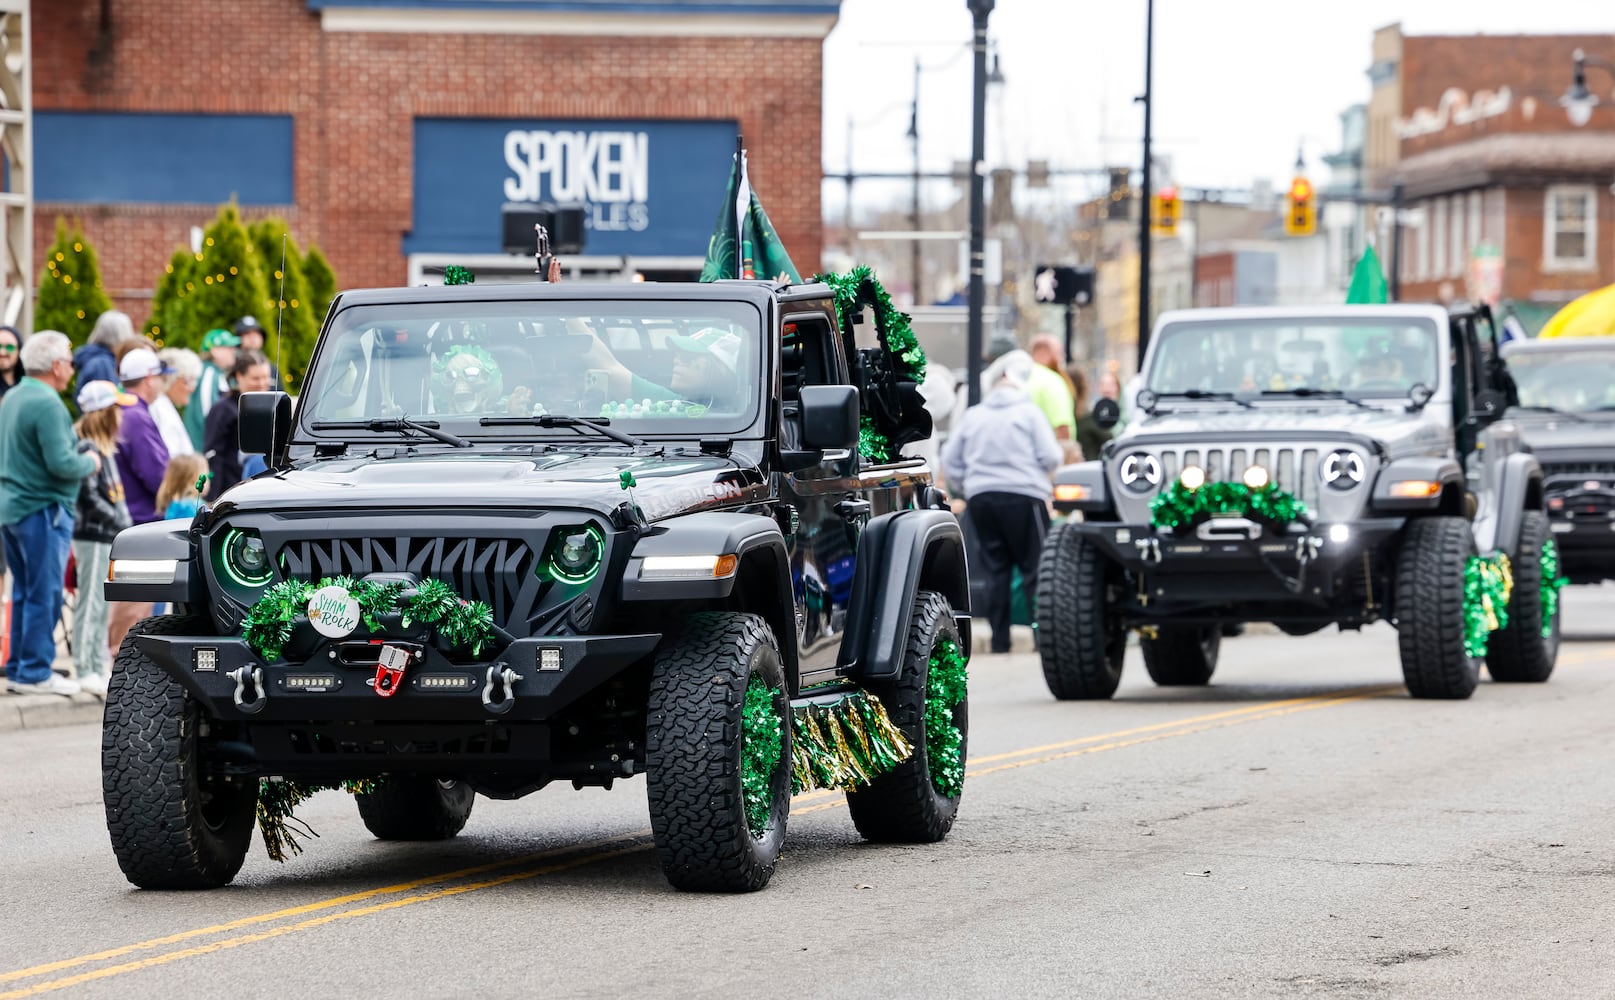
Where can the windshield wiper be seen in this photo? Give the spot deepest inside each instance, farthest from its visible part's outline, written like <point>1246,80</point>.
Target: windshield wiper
<point>1554,410</point>
<point>599,424</point>
<point>427,427</point>
<point>1205,394</point>
<point>1308,391</point>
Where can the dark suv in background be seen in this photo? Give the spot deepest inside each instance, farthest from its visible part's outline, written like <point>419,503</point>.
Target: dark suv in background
<point>1567,414</point>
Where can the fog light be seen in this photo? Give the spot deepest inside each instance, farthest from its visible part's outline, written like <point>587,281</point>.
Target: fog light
<point>205,660</point>
<point>549,658</point>
<point>445,682</point>
<point>1339,534</point>
<point>1256,477</point>
<point>310,682</point>
<point>1193,477</point>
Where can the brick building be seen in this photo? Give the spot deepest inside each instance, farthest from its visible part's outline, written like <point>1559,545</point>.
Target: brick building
<point>1514,203</point>
<point>390,132</point>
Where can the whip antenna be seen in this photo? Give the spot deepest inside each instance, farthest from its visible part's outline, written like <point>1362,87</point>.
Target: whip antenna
<point>280,304</point>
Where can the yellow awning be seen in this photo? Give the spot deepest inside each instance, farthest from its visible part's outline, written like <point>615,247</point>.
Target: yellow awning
<point>1592,315</point>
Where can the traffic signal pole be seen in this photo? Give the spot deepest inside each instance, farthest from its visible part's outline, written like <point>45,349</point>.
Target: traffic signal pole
<point>1144,199</point>
<point>979,10</point>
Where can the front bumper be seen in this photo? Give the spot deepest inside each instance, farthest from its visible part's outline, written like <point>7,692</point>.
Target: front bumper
<point>1586,546</point>
<point>1305,572</point>
<point>531,680</point>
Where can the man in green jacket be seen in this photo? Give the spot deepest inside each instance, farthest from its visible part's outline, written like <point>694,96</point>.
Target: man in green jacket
<point>218,357</point>
<point>41,467</point>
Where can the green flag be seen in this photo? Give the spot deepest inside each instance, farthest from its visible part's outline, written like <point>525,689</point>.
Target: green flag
<point>744,244</point>
<point>1367,282</point>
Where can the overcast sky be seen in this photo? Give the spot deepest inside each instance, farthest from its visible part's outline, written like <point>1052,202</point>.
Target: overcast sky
<point>1239,84</point>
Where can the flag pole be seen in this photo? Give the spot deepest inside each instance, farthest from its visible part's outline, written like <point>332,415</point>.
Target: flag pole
<point>741,190</point>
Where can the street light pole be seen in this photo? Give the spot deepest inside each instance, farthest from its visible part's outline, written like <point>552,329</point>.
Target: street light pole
<point>1144,192</point>
<point>914,216</point>
<point>979,10</point>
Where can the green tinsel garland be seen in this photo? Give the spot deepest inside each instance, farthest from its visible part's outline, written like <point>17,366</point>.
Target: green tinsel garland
<point>762,743</point>
<point>1178,506</point>
<point>1488,582</point>
<point>844,744</point>
<point>945,688</point>
<point>855,290</point>
<point>1552,583</point>
<point>268,626</point>
<point>454,274</point>
<point>277,799</point>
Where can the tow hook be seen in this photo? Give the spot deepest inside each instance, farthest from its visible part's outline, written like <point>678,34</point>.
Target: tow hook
<point>1149,549</point>
<point>249,677</point>
<point>501,680</point>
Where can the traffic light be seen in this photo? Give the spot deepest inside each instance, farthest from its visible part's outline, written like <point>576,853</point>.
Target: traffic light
<point>1167,208</point>
<point>1301,210</point>
<point>1120,191</point>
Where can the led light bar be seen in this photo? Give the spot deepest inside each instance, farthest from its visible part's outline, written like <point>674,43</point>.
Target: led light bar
<point>143,570</point>
<point>688,567</point>
<point>445,682</point>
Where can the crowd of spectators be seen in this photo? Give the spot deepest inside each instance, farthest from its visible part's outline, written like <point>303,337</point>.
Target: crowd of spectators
<point>151,421</point>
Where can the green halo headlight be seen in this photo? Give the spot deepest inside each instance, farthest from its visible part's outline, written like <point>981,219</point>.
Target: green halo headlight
<point>575,555</point>
<point>245,558</point>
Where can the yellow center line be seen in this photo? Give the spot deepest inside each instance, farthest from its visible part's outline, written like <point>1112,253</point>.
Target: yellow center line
<point>274,932</point>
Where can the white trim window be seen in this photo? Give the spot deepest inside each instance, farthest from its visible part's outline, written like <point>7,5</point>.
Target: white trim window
<point>1570,228</point>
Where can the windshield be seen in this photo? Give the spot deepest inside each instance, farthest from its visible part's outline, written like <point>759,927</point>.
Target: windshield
<point>1365,358</point>
<point>1572,381</point>
<point>684,368</point>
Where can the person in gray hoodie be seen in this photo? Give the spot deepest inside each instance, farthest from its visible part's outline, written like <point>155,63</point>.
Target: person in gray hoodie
<point>999,458</point>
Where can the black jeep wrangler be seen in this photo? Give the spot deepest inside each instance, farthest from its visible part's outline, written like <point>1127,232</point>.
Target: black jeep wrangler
<point>514,534</point>
<point>1567,414</point>
<point>1307,467</point>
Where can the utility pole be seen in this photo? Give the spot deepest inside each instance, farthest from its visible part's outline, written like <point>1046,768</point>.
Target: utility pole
<point>979,9</point>
<point>1144,195</point>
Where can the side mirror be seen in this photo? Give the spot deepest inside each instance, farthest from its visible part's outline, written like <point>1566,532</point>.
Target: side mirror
<point>1489,404</point>
<point>1106,412</point>
<point>829,417</point>
<point>266,425</point>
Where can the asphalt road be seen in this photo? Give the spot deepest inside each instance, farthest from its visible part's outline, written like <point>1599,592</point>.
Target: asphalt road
<point>1300,828</point>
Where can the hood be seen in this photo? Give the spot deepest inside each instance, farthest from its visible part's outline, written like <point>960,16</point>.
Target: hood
<point>1393,426</point>
<point>1547,433</point>
<point>1006,395</point>
<point>665,485</point>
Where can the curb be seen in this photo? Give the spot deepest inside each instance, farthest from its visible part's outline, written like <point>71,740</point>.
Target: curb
<point>45,711</point>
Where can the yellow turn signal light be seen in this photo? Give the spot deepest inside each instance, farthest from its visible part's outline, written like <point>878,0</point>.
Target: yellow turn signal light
<point>1070,492</point>
<point>1415,489</point>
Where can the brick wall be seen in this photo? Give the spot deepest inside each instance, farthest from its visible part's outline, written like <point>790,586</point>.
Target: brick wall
<point>354,96</point>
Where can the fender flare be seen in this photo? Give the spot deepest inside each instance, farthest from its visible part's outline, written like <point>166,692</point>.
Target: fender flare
<point>159,540</point>
<point>1518,489</point>
<point>1436,470</point>
<point>900,554</point>
<point>1090,476</point>
<point>764,563</point>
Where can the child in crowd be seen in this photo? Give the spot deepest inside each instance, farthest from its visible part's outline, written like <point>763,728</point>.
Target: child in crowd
<point>102,513</point>
<point>179,496</point>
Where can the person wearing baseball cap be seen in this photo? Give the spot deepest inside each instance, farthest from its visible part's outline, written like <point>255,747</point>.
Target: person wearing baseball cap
<point>142,459</point>
<point>252,337</point>
<point>704,370</point>
<point>218,357</point>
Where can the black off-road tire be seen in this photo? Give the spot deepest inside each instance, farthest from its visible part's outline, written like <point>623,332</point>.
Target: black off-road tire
<point>172,825</point>
<point>1430,608</point>
<point>1182,655</point>
<point>416,807</point>
<point>903,806</point>
<point>693,753</point>
<point>1081,644</point>
<point>1519,652</point>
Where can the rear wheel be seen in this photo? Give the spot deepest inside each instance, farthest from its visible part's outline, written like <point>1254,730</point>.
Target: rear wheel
<point>1524,649</point>
<point>1079,637</point>
<point>718,753</point>
<point>916,801</point>
<point>1182,655</point>
<point>174,823</point>
<point>415,807</point>
<point>1430,608</point>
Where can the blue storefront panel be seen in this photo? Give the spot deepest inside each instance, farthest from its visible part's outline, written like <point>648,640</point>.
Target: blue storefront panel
<point>114,157</point>
<point>650,188</point>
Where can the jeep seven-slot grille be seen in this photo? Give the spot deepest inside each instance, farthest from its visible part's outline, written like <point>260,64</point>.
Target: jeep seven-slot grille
<point>499,571</point>
<point>1580,471</point>
<point>1294,470</point>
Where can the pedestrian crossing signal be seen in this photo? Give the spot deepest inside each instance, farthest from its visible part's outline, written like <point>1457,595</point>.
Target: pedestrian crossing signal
<point>1167,208</point>
<point>1301,210</point>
